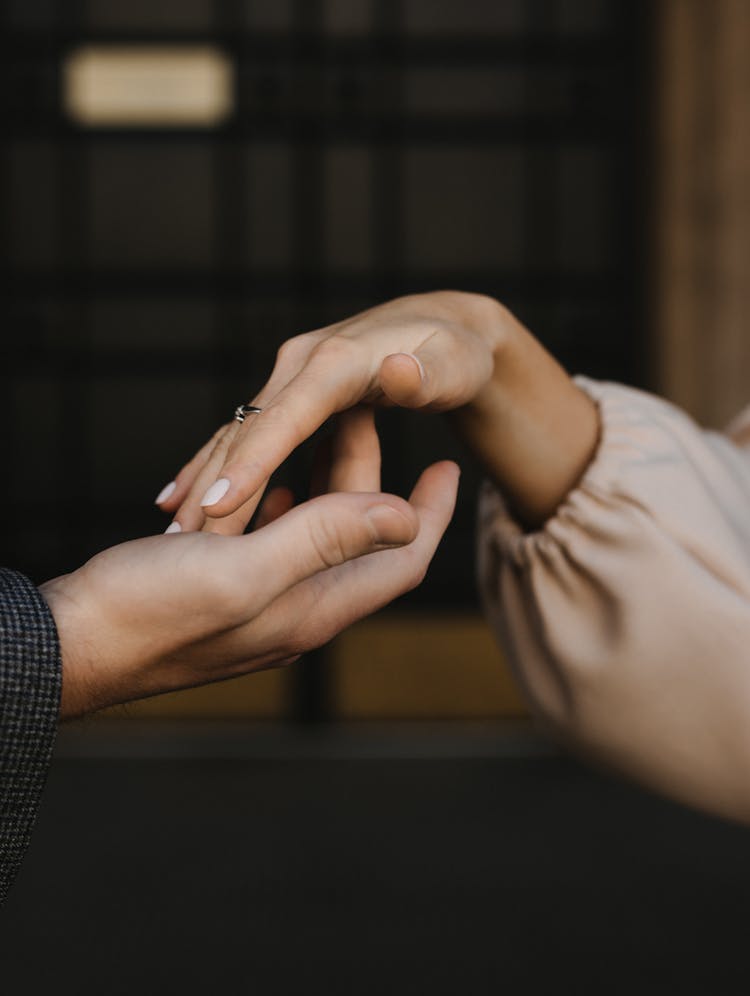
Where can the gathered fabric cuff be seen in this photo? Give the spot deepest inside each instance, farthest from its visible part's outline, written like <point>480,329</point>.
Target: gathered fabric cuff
<point>650,455</point>
<point>626,617</point>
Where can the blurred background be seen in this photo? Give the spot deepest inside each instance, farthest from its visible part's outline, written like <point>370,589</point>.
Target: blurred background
<point>186,184</point>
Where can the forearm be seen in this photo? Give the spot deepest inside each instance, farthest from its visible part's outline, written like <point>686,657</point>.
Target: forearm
<point>531,427</point>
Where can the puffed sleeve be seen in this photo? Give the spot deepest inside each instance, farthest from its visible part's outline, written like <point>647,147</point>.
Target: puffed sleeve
<point>626,617</point>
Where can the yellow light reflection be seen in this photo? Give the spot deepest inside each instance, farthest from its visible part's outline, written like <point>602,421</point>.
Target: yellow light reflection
<point>148,86</point>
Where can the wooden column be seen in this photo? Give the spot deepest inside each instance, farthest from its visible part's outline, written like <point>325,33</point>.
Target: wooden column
<point>702,207</point>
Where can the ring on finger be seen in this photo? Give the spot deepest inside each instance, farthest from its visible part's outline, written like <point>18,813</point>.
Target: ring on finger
<point>242,410</point>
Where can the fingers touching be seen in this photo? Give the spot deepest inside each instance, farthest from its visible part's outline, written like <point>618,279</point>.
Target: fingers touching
<point>322,533</point>
<point>350,592</point>
<point>173,494</point>
<point>349,461</point>
<point>276,503</point>
<point>355,454</point>
<point>311,612</point>
<point>315,394</point>
<point>417,353</point>
<point>193,480</point>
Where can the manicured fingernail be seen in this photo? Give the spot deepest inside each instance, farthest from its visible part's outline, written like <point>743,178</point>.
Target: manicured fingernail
<point>391,526</point>
<point>216,492</point>
<point>174,527</point>
<point>166,492</point>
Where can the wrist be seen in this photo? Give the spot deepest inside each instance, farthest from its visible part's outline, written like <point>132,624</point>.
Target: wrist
<point>493,322</point>
<point>504,336</point>
<point>481,317</point>
<point>77,691</point>
<point>533,429</point>
<point>478,313</point>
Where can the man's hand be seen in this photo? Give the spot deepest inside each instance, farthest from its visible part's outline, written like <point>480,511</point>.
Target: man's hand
<point>174,611</point>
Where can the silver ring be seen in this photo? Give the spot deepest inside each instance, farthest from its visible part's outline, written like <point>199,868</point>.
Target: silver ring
<point>242,410</point>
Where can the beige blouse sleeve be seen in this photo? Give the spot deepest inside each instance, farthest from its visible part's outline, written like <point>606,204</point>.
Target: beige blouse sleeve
<point>738,429</point>
<point>626,618</point>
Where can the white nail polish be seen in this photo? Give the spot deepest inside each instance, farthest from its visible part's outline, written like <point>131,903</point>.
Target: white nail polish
<point>216,492</point>
<point>174,527</point>
<point>166,492</point>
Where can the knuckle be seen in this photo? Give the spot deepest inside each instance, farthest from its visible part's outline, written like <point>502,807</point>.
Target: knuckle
<point>292,350</point>
<point>328,542</point>
<point>223,444</point>
<point>221,432</point>
<point>220,445</point>
<point>337,350</point>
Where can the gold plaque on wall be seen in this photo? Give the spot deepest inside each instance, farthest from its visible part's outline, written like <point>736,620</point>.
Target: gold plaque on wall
<point>149,86</point>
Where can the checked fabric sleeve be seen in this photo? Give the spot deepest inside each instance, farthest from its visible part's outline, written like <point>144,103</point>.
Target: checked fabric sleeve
<point>30,683</point>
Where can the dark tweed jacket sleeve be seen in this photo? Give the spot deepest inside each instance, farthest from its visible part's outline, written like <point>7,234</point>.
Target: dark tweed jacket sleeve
<point>30,682</point>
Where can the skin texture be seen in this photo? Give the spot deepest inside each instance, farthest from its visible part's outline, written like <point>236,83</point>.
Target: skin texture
<point>210,603</point>
<point>169,612</point>
<point>531,427</point>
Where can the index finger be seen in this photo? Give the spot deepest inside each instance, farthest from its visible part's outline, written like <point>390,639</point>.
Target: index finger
<point>334,378</point>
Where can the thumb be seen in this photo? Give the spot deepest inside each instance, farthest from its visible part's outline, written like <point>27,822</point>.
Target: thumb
<point>323,533</point>
<point>444,372</point>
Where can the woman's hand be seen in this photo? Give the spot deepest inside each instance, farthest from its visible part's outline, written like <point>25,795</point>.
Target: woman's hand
<point>431,351</point>
<point>170,612</point>
<point>528,423</point>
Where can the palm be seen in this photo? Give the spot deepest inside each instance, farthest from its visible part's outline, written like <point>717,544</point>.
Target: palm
<point>167,612</point>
